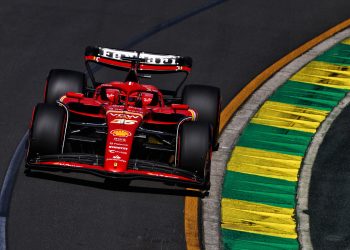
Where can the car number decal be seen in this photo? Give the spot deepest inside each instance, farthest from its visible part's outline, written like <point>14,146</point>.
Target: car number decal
<point>124,121</point>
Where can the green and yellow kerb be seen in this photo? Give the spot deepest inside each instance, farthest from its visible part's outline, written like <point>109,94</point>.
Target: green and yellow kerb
<point>259,192</point>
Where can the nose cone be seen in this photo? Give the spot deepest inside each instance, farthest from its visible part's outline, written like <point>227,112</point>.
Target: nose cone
<point>122,126</point>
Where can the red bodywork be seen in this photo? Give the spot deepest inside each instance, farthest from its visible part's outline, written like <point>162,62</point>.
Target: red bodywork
<point>124,106</point>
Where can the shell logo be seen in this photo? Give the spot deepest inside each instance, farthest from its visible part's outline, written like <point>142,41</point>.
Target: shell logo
<point>120,133</point>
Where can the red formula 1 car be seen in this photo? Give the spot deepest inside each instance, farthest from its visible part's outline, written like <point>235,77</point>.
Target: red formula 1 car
<point>124,130</point>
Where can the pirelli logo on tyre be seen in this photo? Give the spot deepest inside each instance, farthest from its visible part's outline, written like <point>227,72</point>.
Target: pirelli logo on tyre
<point>120,133</point>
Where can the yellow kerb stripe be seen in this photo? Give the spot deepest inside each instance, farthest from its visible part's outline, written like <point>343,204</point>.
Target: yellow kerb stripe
<point>258,218</point>
<point>190,213</point>
<point>346,41</point>
<point>264,163</point>
<point>289,116</point>
<point>324,74</point>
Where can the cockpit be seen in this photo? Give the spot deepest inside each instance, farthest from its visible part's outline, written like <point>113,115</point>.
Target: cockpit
<point>119,96</point>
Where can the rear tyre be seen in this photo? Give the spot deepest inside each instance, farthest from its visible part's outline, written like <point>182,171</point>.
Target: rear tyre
<point>47,131</point>
<point>206,101</point>
<point>61,81</point>
<point>195,150</point>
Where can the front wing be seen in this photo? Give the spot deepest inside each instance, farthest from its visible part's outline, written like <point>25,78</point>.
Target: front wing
<point>137,169</point>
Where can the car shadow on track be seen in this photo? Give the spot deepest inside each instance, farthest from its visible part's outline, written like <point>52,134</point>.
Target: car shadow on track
<point>167,190</point>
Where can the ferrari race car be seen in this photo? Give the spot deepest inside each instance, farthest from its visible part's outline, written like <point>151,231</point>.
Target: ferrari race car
<point>116,127</point>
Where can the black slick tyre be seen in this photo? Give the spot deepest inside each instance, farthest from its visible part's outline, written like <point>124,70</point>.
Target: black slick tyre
<point>47,130</point>
<point>61,81</point>
<point>195,150</point>
<point>206,100</point>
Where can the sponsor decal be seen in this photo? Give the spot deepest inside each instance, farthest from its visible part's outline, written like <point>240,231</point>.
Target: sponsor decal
<point>121,152</point>
<point>116,160</point>
<point>158,59</point>
<point>117,54</point>
<point>147,99</point>
<point>135,110</point>
<point>121,148</point>
<point>116,157</point>
<point>114,144</point>
<point>113,151</point>
<point>118,139</point>
<point>120,133</point>
<point>148,58</point>
<point>124,114</point>
<point>124,121</point>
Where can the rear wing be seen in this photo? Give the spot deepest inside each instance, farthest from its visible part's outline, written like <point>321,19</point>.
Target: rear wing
<point>135,61</point>
<point>146,61</point>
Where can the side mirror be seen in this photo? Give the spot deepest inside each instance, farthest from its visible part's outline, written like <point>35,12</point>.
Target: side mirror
<point>75,95</point>
<point>179,106</point>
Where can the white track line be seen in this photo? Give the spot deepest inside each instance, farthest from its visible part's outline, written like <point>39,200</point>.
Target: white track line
<point>8,185</point>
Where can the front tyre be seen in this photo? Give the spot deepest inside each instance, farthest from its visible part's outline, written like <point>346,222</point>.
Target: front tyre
<point>47,131</point>
<point>195,150</point>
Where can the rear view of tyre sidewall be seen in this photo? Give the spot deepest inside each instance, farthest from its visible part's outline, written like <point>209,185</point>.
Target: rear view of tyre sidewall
<point>194,151</point>
<point>47,130</point>
<point>61,81</point>
<point>206,101</point>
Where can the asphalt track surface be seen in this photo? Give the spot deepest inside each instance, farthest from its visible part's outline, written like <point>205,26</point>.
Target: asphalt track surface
<point>329,203</point>
<point>230,44</point>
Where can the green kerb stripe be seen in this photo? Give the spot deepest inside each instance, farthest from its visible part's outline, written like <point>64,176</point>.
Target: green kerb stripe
<point>308,95</point>
<point>258,189</point>
<point>275,139</point>
<point>240,240</point>
<point>322,90</point>
<point>339,54</point>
